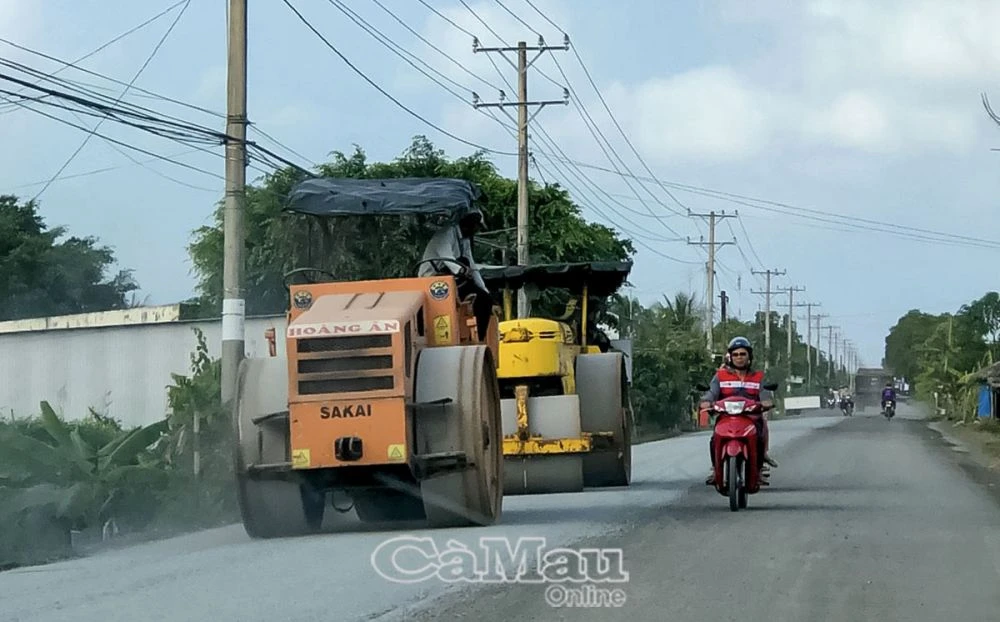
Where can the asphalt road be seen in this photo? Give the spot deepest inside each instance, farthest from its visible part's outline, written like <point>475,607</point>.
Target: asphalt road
<point>865,519</point>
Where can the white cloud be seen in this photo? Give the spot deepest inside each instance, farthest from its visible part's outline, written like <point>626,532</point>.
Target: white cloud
<point>928,40</point>
<point>888,78</point>
<point>854,119</point>
<point>709,114</point>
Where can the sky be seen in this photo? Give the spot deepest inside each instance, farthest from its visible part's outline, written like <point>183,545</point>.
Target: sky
<point>802,117</point>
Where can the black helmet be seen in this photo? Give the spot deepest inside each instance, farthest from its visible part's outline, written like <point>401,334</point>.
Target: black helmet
<point>740,342</point>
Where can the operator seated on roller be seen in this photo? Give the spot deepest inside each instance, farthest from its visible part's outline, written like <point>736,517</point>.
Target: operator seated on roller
<point>455,242</point>
<point>573,315</point>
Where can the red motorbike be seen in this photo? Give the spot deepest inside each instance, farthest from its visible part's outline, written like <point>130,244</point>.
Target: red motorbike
<point>738,464</point>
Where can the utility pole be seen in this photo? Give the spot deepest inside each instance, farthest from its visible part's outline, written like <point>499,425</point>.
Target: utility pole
<point>723,304</point>
<point>522,103</point>
<point>829,353</point>
<point>809,366</point>
<point>850,364</point>
<point>791,328</point>
<point>836,353</point>
<point>791,305</point>
<point>233,302</point>
<point>712,217</point>
<point>767,312</point>
<point>819,318</point>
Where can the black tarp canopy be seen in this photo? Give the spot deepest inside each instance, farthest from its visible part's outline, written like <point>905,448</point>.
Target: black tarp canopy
<point>603,278</point>
<point>426,196</point>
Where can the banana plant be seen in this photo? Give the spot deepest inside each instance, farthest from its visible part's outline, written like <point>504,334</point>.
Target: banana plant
<point>78,483</point>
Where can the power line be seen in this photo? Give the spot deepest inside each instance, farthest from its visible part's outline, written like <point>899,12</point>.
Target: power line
<point>110,79</point>
<point>113,41</point>
<point>582,197</point>
<point>178,131</point>
<point>385,93</point>
<point>746,236</point>
<point>500,39</point>
<point>173,129</point>
<point>544,16</point>
<point>436,48</point>
<point>518,18</point>
<point>118,142</point>
<point>544,135</point>
<point>95,103</point>
<point>582,112</point>
<point>607,108</point>
<point>106,169</point>
<point>399,50</point>
<point>736,198</point>
<point>74,85</point>
<point>596,133</point>
<point>123,93</point>
<point>594,130</point>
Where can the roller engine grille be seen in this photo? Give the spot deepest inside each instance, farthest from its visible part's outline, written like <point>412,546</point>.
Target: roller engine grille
<point>353,363</point>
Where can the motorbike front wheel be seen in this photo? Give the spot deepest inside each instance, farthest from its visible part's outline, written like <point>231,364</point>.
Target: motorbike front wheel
<point>734,483</point>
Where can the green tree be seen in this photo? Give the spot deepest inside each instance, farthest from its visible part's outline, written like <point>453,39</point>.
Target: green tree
<point>41,275</point>
<point>909,332</point>
<point>389,247</point>
<point>941,353</point>
<point>670,359</point>
<point>982,319</point>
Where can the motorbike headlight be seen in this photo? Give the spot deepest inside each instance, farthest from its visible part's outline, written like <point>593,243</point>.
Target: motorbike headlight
<point>735,408</point>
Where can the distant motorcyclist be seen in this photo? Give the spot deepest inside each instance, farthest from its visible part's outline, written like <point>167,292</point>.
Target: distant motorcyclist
<point>737,378</point>
<point>845,399</point>
<point>888,394</point>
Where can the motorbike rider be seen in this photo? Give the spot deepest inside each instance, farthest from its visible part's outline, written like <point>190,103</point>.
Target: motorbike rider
<point>846,402</point>
<point>888,394</point>
<point>844,395</point>
<point>738,378</point>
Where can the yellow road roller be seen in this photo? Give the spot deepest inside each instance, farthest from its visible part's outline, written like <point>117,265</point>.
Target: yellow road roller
<point>567,418</point>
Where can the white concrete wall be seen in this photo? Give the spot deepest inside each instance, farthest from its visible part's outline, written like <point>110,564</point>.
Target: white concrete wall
<point>121,371</point>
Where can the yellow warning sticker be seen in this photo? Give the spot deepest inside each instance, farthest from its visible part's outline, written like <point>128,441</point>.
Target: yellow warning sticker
<point>301,458</point>
<point>397,453</point>
<point>442,329</point>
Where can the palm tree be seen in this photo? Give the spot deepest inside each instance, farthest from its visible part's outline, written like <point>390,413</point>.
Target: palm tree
<point>681,312</point>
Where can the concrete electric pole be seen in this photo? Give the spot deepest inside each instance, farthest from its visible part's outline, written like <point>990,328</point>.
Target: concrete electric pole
<point>712,217</point>
<point>233,302</point>
<point>523,120</point>
<point>834,350</point>
<point>809,365</point>
<point>767,312</point>
<point>819,318</point>
<point>790,330</point>
<point>830,355</point>
<point>723,312</point>
<point>791,326</point>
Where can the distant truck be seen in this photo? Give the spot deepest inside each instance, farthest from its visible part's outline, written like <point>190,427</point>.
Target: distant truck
<point>868,385</point>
